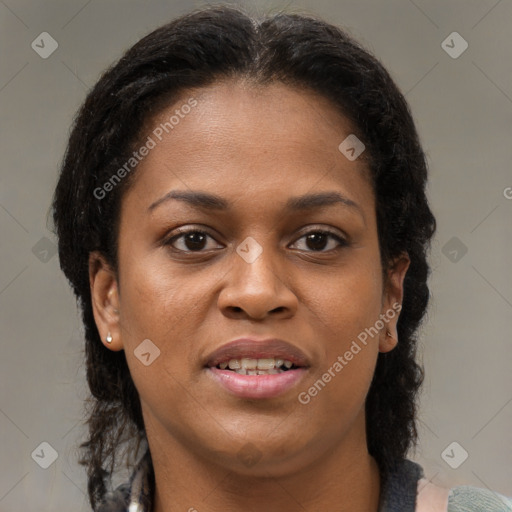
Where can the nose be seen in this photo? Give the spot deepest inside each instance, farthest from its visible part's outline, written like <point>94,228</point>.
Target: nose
<point>256,290</point>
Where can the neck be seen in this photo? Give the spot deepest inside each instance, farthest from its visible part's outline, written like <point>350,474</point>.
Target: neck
<point>345,478</point>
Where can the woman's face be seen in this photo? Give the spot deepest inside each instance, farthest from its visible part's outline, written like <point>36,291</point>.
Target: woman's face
<point>255,264</point>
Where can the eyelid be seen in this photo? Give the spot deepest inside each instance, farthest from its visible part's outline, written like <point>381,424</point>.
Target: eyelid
<point>328,230</point>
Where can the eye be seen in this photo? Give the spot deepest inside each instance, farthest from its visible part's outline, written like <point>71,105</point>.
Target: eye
<point>192,240</point>
<point>317,240</point>
<point>196,240</point>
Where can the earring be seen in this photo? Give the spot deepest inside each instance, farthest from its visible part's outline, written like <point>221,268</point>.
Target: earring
<point>388,333</point>
<point>109,337</point>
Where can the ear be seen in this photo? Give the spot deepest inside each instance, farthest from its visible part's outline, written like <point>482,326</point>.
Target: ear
<point>392,302</point>
<point>105,300</point>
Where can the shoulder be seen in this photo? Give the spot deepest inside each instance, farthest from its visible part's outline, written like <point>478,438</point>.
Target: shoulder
<point>466,498</point>
<point>463,498</point>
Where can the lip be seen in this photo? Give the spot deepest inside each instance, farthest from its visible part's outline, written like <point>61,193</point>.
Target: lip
<point>257,386</point>
<point>257,349</point>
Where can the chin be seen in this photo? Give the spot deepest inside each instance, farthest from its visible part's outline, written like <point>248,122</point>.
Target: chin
<point>262,458</point>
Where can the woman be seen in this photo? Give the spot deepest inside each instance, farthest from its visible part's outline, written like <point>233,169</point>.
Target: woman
<point>241,212</point>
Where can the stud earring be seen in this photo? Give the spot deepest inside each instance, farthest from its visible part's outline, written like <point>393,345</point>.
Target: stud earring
<point>109,338</point>
<point>388,333</point>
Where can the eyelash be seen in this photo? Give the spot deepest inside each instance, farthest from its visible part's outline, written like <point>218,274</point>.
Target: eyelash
<point>341,241</point>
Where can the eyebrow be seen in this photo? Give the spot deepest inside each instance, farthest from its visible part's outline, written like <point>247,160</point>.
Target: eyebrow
<point>208,201</point>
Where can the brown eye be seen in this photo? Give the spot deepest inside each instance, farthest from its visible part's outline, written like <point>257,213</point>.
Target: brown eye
<point>190,241</point>
<point>318,240</point>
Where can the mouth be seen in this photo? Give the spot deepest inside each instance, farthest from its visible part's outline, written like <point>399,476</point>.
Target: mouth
<point>264,366</point>
<point>254,369</point>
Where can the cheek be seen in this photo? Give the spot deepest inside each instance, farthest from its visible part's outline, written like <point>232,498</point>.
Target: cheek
<point>341,383</point>
<point>162,307</point>
<point>348,308</point>
<point>167,307</point>
<point>155,299</point>
<point>351,301</point>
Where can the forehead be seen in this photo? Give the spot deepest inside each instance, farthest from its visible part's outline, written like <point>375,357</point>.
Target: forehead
<point>262,115</point>
<point>235,136</point>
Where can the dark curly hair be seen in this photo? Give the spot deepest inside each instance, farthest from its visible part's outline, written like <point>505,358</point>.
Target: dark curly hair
<point>195,50</point>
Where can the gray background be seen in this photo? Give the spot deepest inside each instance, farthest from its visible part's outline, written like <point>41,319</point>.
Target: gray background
<point>463,110</point>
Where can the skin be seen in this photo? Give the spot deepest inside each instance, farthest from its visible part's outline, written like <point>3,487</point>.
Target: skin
<point>255,146</point>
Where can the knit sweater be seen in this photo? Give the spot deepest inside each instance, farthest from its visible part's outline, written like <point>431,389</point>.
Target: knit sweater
<point>406,490</point>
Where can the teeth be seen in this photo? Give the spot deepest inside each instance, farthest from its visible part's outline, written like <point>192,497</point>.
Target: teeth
<point>248,366</point>
<point>266,364</point>
<point>272,371</point>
